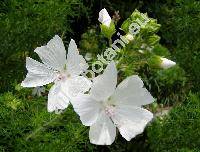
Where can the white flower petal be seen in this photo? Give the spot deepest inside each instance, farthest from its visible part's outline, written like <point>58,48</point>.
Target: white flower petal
<point>57,100</point>
<point>53,54</point>
<point>76,85</point>
<point>104,85</point>
<point>131,92</point>
<point>131,121</point>
<point>104,17</point>
<point>166,63</point>
<point>38,74</point>
<point>103,132</point>
<point>76,64</point>
<point>87,108</point>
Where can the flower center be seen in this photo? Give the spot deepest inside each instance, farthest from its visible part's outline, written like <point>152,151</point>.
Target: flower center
<point>110,110</point>
<point>63,76</point>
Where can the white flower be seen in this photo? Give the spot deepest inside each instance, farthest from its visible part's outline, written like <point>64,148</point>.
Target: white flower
<point>104,17</point>
<point>56,68</point>
<point>166,63</point>
<point>38,91</point>
<point>107,107</point>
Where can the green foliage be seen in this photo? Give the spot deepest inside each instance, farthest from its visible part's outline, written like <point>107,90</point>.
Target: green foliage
<point>11,73</point>
<point>141,56</point>
<point>92,42</point>
<point>151,26</point>
<point>154,60</point>
<point>168,86</point>
<point>180,28</point>
<point>178,131</point>
<point>146,38</point>
<point>180,32</point>
<point>27,126</point>
<point>24,25</point>
<point>125,7</point>
<point>161,50</point>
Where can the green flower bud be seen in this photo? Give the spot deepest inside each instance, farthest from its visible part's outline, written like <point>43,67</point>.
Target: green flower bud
<point>153,39</point>
<point>154,61</point>
<point>108,31</point>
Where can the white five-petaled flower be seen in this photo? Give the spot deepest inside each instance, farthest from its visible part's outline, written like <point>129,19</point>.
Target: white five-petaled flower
<point>166,63</point>
<point>104,17</point>
<point>107,107</point>
<point>65,73</point>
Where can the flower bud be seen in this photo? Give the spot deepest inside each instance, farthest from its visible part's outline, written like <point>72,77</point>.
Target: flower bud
<point>104,17</point>
<point>166,63</point>
<point>160,62</point>
<point>107,26</point>
<point>129,37</point>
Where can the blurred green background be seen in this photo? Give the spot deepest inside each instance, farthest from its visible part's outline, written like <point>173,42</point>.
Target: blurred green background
<point>25,124</point>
